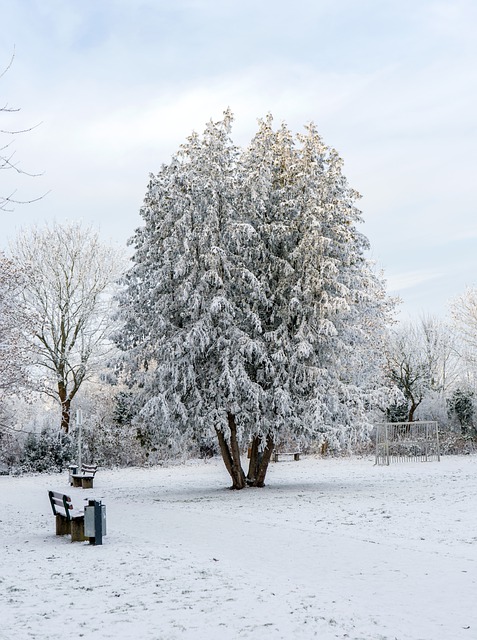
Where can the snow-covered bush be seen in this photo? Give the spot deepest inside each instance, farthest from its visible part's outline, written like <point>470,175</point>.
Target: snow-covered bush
<point>46,451</point>
<point>108,437</point>
<point>461,410</point>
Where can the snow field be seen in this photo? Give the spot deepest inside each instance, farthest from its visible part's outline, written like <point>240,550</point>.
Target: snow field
<point>333,548</point>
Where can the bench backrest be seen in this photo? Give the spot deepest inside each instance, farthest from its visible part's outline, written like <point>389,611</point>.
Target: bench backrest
<point>61,504</point>
<point>89,469</point>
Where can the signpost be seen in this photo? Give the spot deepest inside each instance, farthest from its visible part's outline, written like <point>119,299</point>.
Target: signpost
<point>79,424</point>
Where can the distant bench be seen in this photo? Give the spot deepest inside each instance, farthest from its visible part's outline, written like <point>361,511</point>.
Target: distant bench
<point>68,519</point>
<point>277,454</point>
<point>85,478</point>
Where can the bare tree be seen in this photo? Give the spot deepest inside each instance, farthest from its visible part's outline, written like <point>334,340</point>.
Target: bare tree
<point>441,353</point>
<point>464,314</point>
<point>70,287</point>
<point>421,359</point>
<point>7,154</point>
<point>406,367</point>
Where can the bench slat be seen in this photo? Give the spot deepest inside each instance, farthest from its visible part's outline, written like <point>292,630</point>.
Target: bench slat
<point>62,505</point>
<point>86,470</point>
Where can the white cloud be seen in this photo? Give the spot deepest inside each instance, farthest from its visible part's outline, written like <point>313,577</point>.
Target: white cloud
<point>396,283</point>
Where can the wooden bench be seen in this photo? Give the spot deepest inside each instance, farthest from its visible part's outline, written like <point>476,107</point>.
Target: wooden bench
<point>85,478</point>
<point>277,454</point>
<point>68,519</point>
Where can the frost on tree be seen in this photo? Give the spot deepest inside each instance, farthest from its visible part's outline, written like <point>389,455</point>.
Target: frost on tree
<point>15,322</point>
<point>421,362</point>
<point>249,297</point>
<point>69,290</point>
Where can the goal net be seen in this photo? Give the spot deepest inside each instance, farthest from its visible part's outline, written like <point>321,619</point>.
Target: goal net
<point>406,441</point>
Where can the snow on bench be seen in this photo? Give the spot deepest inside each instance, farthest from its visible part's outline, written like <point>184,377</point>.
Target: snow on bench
<point>295,454</point>
<point>68,519</point>
<point>85,478</point>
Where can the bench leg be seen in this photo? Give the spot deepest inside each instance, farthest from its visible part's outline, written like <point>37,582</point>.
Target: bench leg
<point>87,482</point>
<point>296,456</point>
<point>77,530</point>
<point>62,525</point>
<point>77,481</point>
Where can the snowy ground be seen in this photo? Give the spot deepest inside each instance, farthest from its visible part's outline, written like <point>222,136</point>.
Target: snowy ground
<point>329,549</point>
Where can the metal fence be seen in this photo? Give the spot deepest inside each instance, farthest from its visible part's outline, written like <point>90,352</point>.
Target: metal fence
<point>407,441</point>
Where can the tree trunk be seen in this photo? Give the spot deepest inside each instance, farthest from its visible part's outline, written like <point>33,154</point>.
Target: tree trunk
<point>264,460</point>
<point>65,407</point>
<point>255,458</point>
<point>225,451</point>
<point>231,454</point>
<point>412,410</point>
<point>65,416</point>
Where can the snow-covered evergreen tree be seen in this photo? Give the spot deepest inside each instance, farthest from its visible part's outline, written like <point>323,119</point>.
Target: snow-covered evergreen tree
<point>329,309</point>
<point>248,293</point>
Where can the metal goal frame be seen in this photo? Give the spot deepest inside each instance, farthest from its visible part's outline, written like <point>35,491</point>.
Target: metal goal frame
<point>407,441</point>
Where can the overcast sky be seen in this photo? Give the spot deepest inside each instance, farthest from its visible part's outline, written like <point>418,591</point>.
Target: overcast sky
<point>118,85</point>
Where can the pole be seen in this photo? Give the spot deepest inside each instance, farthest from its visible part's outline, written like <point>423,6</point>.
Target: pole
<point>79,424</point>
<point>437,442</point>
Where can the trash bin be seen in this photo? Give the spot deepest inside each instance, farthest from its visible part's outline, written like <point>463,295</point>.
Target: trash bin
<point>95,522</point>
<point>73,469</point>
